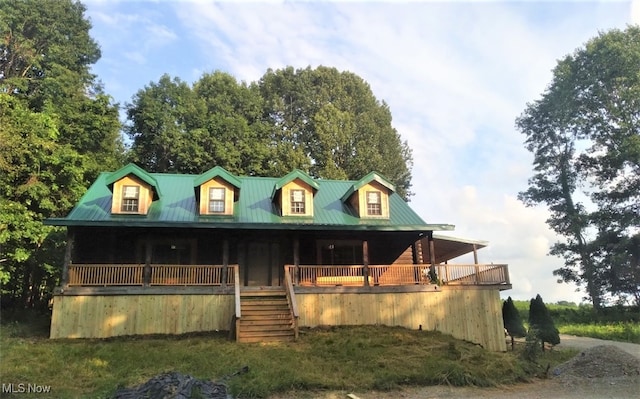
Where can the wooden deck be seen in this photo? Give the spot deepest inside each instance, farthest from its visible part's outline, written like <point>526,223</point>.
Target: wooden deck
<point>112,275</point>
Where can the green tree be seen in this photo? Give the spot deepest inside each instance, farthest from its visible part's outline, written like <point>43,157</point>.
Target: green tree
<point>541,323</point>
<point>178,128</point>
<point>512,321</point>
<point>57,130</point>
<point>584,134</point>
<point>329,123</point>
<point>322,121</point>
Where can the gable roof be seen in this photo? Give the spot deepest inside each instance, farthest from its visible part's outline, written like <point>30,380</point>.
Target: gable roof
<point>291,176</point>
<point>178,207</point>
<point>133,169</point>
<point>372,176</point>
<point>214,172</point>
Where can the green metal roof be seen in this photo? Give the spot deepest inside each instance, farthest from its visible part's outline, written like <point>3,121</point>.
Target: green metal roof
<point>133,169</point>
<point>217,171</point>
<point>372,176</point>
<point>178,207</point>
<point>291,176</point>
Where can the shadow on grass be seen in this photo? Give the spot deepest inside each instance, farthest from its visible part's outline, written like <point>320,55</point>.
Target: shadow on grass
<point>25,323</point>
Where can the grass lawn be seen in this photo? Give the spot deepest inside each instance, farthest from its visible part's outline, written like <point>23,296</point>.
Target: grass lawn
<point>346,358</point>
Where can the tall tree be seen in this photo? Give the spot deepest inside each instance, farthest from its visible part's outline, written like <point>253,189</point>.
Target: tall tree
<point>584,134</point>
<point>512,321</point>
<point>329,123</point>
<point>541,323</point>
<point>179,128</point>
<point>57,130</point>
<point>325,122</point>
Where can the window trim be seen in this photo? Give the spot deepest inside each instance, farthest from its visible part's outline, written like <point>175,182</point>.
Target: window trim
<point>374,208</point>
<point>298,207</point>
<point>128,203</point>
<point>217,201</point>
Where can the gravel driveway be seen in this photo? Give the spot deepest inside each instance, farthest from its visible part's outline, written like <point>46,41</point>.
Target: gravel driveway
<point>571,341</point>
<point>578,388</point>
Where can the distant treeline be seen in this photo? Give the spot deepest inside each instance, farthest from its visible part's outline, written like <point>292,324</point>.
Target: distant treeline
<point>570,313</point>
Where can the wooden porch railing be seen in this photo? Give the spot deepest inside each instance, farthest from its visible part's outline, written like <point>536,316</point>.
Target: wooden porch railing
<point>291,298</point>
<point>103,275</point>
<point>134,275</point>
<point>353,275</point>
<point>473,274</point>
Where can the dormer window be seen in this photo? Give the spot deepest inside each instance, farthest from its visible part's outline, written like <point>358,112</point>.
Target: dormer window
<point>216,199</point>
<point>297,202</point>
<point>369,197</point>
<point>374,203</point>
<point>130,199</point>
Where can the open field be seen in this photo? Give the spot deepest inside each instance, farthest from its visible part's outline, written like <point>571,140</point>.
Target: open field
<point>613,323</point>
<point>356,358</point>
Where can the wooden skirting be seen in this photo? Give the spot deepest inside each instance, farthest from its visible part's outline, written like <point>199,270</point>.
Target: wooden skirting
<point>102,316</point>
<point>471,315</point>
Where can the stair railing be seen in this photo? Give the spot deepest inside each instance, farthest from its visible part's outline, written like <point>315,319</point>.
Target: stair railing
<point>236,281</point>
<point>291,298</point>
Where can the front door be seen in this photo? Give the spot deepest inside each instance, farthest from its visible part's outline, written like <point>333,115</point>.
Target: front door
<point>261,268</point>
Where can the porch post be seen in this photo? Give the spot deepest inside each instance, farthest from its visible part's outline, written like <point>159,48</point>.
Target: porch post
<point>475,254</point>
<point>68,251</point>
<point>296,260</point>
<point>432,254</point>
<point>225,262</point>
<point>146,275</point>
<point>365,262</point>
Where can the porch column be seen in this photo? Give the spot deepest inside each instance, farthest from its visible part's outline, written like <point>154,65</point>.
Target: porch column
<point>146,275</point>
<point>432,254</point>
<point>475,254</point>
<point>225,262</point>
<point>68,251</point>
<point>296,260</point>
<point>365,262</point>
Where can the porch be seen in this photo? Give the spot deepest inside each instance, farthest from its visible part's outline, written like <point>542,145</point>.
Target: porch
<point>169,275</point>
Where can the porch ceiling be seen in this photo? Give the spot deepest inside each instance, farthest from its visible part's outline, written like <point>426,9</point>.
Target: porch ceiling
<point>447,248</point>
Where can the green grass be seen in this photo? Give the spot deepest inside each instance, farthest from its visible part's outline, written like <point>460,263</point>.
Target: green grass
<point>624,332</point>
<point>354,358</point>
<point>616,323</point>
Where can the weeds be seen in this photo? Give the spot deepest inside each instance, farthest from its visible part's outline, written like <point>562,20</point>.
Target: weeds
<point>341,358</point>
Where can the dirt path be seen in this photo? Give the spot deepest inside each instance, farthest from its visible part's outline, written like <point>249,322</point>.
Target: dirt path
<point>571,341</point>
<point>579,388</point>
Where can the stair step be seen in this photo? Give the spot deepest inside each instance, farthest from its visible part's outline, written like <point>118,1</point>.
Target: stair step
<point>277,333</point>
<point>276,293</point>
<point>266,322</point>
<point>266,302</point>
<point>266,310</point>
<point>285,328</point>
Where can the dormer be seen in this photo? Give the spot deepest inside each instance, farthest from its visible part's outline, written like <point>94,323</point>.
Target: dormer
<point>216,190</point>
<point>133,190</point>
<point>294,193</point>
<point>369,196</point>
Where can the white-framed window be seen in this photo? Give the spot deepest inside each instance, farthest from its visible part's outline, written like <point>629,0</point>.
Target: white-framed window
<point>374,203</point>
<point>297,202</point>
<point>130,199</point>
<point>216,199</point>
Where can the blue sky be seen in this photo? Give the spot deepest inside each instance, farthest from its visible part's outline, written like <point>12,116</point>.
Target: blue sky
<point>455,75</point>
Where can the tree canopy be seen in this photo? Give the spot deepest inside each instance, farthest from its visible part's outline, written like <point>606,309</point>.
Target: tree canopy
<point>323,121</point>
<point>584,134</point>
<point>57,130</point>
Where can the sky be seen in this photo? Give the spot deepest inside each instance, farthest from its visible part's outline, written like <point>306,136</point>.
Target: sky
<point>455,75</point>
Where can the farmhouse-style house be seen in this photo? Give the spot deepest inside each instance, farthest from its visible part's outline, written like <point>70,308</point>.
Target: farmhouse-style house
<point>152,253</point>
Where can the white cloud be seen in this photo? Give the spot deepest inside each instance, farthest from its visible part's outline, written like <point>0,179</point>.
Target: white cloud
<point>455,76</point>
<point>635,12</point>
